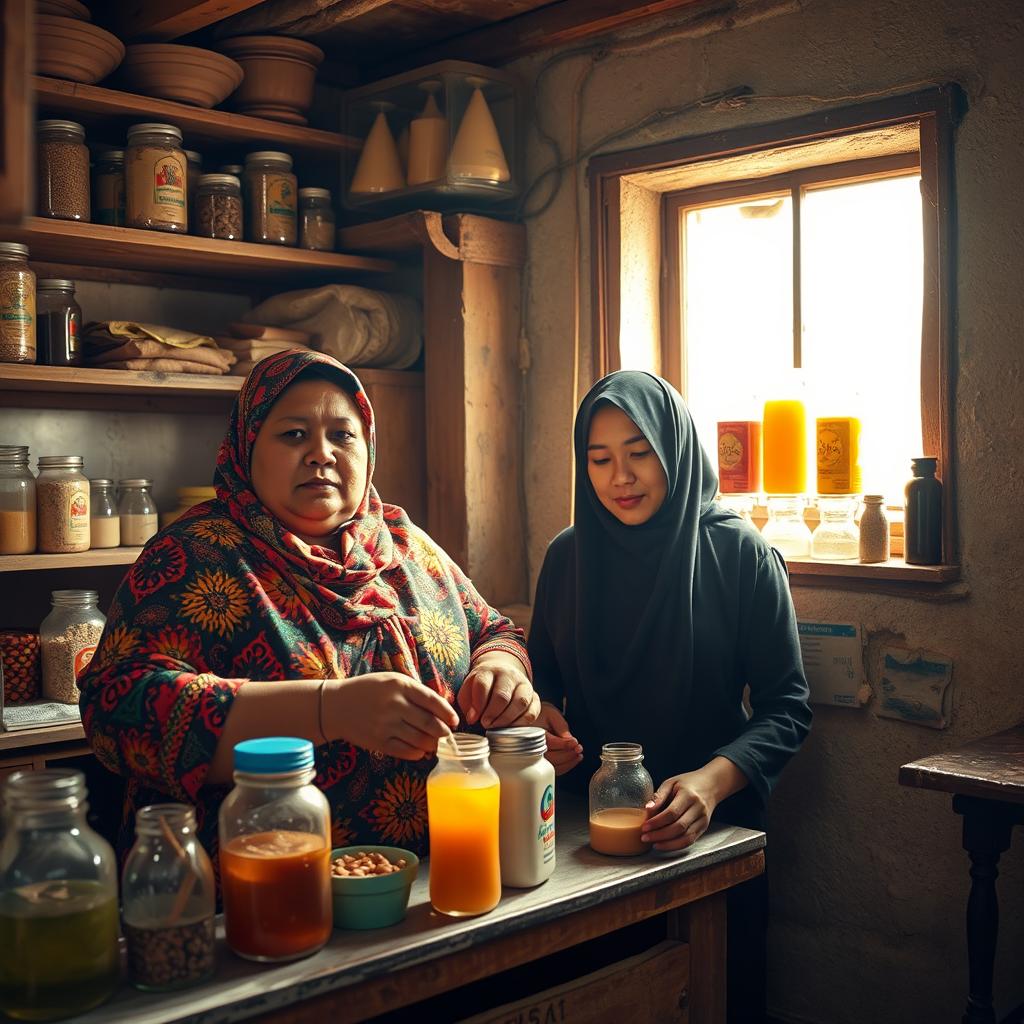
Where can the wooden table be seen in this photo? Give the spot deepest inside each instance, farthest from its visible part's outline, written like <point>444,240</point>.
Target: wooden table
<point>986,779</point>
<point>361,974</point>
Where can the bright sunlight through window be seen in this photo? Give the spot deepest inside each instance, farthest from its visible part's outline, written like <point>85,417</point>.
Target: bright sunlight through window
<point>860,334</point>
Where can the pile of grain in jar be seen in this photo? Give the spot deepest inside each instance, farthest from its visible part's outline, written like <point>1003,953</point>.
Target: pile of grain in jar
<point>62,503</point>
<point>17,305</point>
<point>62,171</point>
<point>64,655</point>
<point>219,207</point>
<point>166,957</point>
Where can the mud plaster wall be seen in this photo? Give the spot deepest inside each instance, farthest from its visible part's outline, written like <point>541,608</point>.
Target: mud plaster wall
<point>868,878</point>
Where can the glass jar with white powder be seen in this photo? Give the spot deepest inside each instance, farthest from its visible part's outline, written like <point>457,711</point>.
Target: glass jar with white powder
<point>137,511</point>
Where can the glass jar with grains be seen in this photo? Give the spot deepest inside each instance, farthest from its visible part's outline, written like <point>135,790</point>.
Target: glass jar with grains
<point>137,510</point>
<point>17,305</point>
<point>316,219</point>
<point>62,171</point>
<point>219,207</point>
<point>58,324</point>
<point>67,641</point>
<point>17,502</point>
<point>108,188</point>
<point>62,504</point>
<point>271,198</point>
<point>104,519</point>
<point>156,178</point>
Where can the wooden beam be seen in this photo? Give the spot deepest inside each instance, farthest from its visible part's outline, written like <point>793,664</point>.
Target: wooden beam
<point>17,56</point>
<point>297,17</point>
<point>170,19</point>
<point>558,24</point>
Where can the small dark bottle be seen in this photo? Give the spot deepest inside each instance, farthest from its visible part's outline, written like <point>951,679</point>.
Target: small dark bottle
<point>922,529</point>
<point>58,324</point>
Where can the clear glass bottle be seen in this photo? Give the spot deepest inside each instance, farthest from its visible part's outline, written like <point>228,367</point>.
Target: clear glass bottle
<point>786,529</point>
<point>168,901</point>
<point>67,641</point>
<point>527,797</point>
<point>156,178</point>
<point>17,305</point>
<point>874,530</point>
<point>275,852</point>
<point>17,502</point>
<point>741,504</point>
<point>836,536</point>
<point>58,900</point>
<point>219,207</point>
<point>271,198</point>
<point>463,809</point>
<point>137,510</point>
<point>619,792</point>
<point>62,504</point>
<point>108,188</point>
<point>922,522</point>
<point>104,519</point>
<point>58,324</point>
<point>316,219</point>
<point>62,171</point>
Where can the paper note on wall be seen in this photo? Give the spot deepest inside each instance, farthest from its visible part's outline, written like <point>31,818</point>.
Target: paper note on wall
<point>916,686</point>
<point>834,663</point>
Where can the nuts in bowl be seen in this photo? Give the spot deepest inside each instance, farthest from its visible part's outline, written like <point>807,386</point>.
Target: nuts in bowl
<point>370,885</point>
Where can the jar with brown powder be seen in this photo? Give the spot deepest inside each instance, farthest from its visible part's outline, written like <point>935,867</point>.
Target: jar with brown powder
<point>17,502</point>
<point>17,305</point>
<point>271,198</point>
<point>62,504</point>
<point>156,178</point>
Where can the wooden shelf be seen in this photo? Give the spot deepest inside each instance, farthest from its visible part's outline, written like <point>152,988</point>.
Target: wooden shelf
<point>93,104</point>
<point>895,570</point>
<point>20,739</point>
<point>79,560</point>
<point>98,245</point>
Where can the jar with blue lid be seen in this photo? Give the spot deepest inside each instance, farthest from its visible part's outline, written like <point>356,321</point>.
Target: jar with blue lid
<point>275,852</point>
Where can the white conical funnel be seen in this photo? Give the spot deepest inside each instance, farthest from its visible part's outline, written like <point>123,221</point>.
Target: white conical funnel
<point>378,169</point>
<point>428,144</point>
<point>477,151</point>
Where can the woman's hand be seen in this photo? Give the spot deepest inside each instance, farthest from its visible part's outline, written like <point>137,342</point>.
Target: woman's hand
<point>389,712</point>
<point>681,809</point>
<point>497,692</point>
<point>564,750</point>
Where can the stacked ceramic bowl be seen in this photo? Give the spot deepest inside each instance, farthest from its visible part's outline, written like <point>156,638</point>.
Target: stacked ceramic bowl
<point>72,47</point>
<point>185,74</point>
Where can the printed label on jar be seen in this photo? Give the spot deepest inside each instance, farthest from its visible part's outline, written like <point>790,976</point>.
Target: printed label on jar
<point>82,658</point>
<point>546,832</point>
<point>280,197</point>
<point>169,185</point>
<point>17,307</point>
<point>78,515</point>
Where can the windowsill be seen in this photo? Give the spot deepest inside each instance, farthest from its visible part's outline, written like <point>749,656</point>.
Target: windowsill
<point>809,573</point>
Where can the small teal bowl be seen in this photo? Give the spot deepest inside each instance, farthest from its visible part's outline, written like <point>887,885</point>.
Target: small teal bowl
<point>375,901</point>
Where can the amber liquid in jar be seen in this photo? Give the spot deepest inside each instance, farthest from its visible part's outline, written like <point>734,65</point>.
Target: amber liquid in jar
<point>266,878</point>
<point>617,830</point>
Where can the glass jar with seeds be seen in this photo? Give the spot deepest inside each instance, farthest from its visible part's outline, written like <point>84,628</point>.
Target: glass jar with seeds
<point>167,900</point>
<point>62,171</point>
<point>219,207</point>
<point>137,510</point>
<point>17,305</point>
<point>17,502</point>
<point>67,641</point>
<point>62,504</point>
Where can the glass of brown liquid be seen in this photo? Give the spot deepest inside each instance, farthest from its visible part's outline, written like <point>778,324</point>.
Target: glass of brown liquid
<point>619,791</point>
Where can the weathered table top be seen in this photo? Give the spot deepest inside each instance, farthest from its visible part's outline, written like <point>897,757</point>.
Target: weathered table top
<point>991,768</point>
<point>582,879</point>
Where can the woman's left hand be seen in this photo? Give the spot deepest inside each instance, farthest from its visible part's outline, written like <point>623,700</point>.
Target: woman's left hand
<point>498,693</point>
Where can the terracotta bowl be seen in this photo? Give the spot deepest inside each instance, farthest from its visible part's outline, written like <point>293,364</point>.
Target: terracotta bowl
<point>75,49</point>
<point>279,76</point>
<point>64,9</point>
<point>185,74</point>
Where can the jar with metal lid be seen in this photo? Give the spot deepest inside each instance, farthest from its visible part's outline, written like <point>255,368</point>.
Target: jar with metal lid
<point>104,519</point>
<point>619,792</point>
<point>108,188</point>
<point>526,831</point>
<point>58,900</point>
<point>237,170</point>
<point>193,172</point>
<point>17,502</point>
<point>67,641</point>
<point>62,171</point>
<point>58,324</point>
<point>137,510</point>
<point>167,897</point>
<point>271,197</point>
<point>219,207</point>
<point>275,850</point>
<point>836,536</point>
<point>17,305</point>
<point>316,219</point>
<point>156,178</point>
<point>463,815</point>
<point>62,504</point>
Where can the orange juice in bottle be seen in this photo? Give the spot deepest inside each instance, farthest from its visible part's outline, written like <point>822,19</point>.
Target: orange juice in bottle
<point>463,814</point>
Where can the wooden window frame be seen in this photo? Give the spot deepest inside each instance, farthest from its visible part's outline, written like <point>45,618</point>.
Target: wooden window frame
<point>936,112</point>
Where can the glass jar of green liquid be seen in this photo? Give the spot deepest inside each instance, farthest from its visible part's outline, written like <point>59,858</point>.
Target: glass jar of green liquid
<point>58,900</point>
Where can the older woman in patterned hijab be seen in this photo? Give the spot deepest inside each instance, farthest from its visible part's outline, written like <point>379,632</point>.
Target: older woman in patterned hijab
<point>298,603</point>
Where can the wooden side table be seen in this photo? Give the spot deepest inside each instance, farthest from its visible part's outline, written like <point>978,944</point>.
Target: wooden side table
<point>986,778</point>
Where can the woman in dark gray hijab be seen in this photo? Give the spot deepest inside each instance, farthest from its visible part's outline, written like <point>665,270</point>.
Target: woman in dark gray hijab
<point>652,614</point>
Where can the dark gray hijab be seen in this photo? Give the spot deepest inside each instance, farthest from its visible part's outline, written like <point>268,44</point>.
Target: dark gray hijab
<point>636,586</point>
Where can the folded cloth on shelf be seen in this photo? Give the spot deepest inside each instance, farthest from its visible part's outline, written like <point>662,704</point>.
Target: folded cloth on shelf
<point>215,358</point>
<point>107,333</point>
<point>164,366</point>
<point>359,326</point>
<point>257,348</point>
<point>266,333</point>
